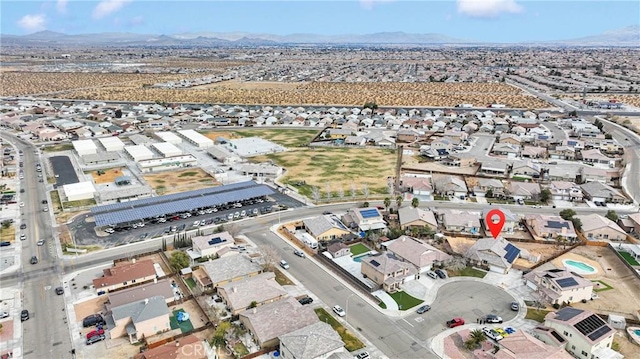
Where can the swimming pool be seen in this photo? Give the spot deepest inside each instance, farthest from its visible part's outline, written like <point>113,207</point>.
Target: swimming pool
<point>578,267</point>
<point>361,257</point>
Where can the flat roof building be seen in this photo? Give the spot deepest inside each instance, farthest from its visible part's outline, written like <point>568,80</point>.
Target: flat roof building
<point>111,144</point>
<point>139,152</point>
<point>79,191</point>
<point>196,138</point>
<point>84,147</point>
<point>169,137</point>
<point>167,149</point>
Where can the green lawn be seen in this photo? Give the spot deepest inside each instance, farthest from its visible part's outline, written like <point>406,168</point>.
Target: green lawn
<point>405,301</point>
<point>467,272</point>
<point>190,282</point>
<point>185,327</point>
<point>537,315</point>
<point>240,349</point>
<point>629,258</point>
<point>57,148</point>
<point>358,249</point>
<point>600,286</point>
<point>351,342</point>
<point>281,278</point>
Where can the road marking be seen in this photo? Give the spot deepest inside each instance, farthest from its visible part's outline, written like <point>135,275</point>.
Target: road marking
<point>47,287</point>
<point>419,319</point>
<point>408,323</point>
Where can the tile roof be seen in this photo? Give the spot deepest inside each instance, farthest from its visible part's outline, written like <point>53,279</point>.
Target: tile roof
<point>176,350</point>
<point>161,288</point>
<point>416,252</point>
<point>125,272</point>
<point>594,221</point>
<point>410,214</point>
<point>141,310</point>
<point>312,341</point>
<point>259,288</point>
<point>497,252</point>
<point>226,268</point>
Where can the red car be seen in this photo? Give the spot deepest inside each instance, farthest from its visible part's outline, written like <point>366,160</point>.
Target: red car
<point>93,333</point>
<point>455,322</point>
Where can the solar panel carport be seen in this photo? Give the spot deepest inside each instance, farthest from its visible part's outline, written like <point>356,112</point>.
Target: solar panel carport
<point>126,212</point>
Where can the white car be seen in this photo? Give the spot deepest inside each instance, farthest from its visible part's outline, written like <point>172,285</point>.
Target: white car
<point>40,242</point>
<point>339,311</point>
<point>21,204</point>
<point>491,334</point>
<point>4,315</point>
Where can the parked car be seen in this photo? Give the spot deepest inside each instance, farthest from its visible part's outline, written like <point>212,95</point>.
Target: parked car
<point>23,226</point>
<point>5,244</point>
<point>515,306</point>
<point>491,334</point>
<point>93,333</point>
<point>34,260</point>
<point>441,273</point>
<point>503,333</point>
<point>40,242</point>
<point>339,311</point>
<point>299,253</point>
<point>305,300</point>
<point>363,355</point>
<point>432,274</point>
<point>59,291</point>
<point>423,309</point>
<point>284,264</point>
<point>23,237</point>
<point>95,339</point>
<point>4,315</point>
<point>492,318</point>
<point>455,322</point>
<point>24,315</point>
<point>91,320</point>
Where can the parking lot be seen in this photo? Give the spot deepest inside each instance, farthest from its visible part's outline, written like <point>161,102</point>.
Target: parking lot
<point>63,170</point>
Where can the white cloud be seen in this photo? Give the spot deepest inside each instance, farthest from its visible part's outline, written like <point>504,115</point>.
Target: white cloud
<point>488,8</point>
<point>368,4</point>
<point>33,22</point>
<point>61,6</point>
<point>107,7</point>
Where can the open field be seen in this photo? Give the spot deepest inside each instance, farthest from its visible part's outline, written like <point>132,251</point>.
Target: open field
<point>108,176</point>
<point>129,87</point>
<point>253,85</point>
<point>284,137</point>
<point>179,181</point>
<point>7,234</point>
<point>336,168</point>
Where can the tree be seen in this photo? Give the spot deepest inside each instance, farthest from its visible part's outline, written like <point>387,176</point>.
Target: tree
<point>399,200</point>
<point>573,113</point>
<point>415,202</point>
<point>327,189</point>
<point>233,229</point>
<point>118,113</point>
<point>612,215</point>
<point>179,260</point>
<point>387,203</point>
<point>545,195</point>
<point>577,223</point>
<point>365,190</point>
<point>489,193</point>
<point>567,214</point>
<point>353,191</point>
<point>315,193</point>
<point>219,337</point>
<point>340,192</point>
<point>370,105</point>
<point>270,257</point>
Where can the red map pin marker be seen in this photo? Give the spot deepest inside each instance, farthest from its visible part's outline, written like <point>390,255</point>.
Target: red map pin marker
<point>495,226</point>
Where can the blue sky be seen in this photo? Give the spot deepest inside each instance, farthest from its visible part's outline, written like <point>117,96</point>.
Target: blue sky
<point>482,20</point>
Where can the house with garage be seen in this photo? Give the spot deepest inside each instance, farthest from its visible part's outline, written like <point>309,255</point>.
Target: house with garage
<point>527,168</point>
<point>125,274</point>
<point>511,220</point>
<point>594,156</point>
<point>416,185</point>
<point>213,246</point>
<point>230,269</point>
<point>251,292</point>
<point>496,254</point>
<point>422,255</point>
<point>161,288</point>
<point>418,218</point>
<point>559,286</point>
<point>325,227</point>
<point>587,335</point>
<point>510,138</point>
<point>387,271</point>
<point>534,152</point>
<point>140,319</point>
<point>315,341</point>
<point>602,193</point>
<point>596,227</point>
<point>454,220</point>
<point>562,153</point>
<point>266,328</point>
<point>338,249</point>
<point>524,345</point>
<point>447,185</point>
<point>367,218</point>
<point>493,186</point>
<point>565,191</point>
<point>523,190</point>
<point>494,167</point>
<point>550,227</point>
<point>506,149</point>
<point>178,349</point>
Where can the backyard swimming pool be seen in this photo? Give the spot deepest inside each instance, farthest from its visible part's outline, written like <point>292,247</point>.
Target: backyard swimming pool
<point>361,257</point>
<point>578,267</point>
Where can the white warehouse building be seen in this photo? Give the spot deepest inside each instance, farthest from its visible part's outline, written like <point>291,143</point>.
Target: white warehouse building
<point>111,144</point>
<point>169,137</point>
<point>79,191</point>
<point>139,152</point>
<point>167,149</point>
<point>85,147</point>
<point>196,138</point>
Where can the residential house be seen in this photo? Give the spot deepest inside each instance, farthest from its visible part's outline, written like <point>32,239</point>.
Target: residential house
<point>524,190</point>
<point>491,185</point>
<point>339,133</point>
<point>411,250</point>
<point>495,168</point>
<point>411,217</point>
<point>212,246</point>
<point>443,143</point>
<point>534,152</point>
<point>565,191</point>
<point>325,227</point>
<point>460,160</point>
<point>189,347</point>
<point>563,173</point>
<point>416,185</point>
<point>522,345</point>
<point>634,220</point>
<point>407,135</point>
<point>338,249</point>
<point>161,288</point>
<point>125,274</point>
<point>315,341</point>
<point>140,319</point>
<point>599,228</point>
<point>447,185</point>
<point>511,220</point>
<point>387,271</point>
<point>506,149</point>
<point>497,254</point>
<point>595,156</point>
<point>251,292</point>
<point>271,321</point>
<point>594,174</point>
<point>550,227</point>
<point>559,286</point>
<point>528,168</point>
<point>454,220</point>
<point>587,335</point>
<point>562,153</point>
<point>510,138</point>
<point>600,192</point>
<point>367,218</point>
<point>230,269</point>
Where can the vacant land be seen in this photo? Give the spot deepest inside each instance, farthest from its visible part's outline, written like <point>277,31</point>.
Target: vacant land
<point>180,181</point>
<point>7,234</point>
<point>336,170</point>
<point>284,137</point>
<point>107,175</point>
<point>253,85</point>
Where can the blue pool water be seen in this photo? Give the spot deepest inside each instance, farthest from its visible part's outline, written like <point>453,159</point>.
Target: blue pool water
<point>637,331</point>
<point>361,257</point>
<point>578,267</point>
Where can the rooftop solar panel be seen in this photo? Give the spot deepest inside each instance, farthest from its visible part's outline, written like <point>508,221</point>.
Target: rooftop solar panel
<point>599,333</point>
<point>512,252</point>
<point>566,282</point>
<point>369,213</point>
<point>557,224</point>
<point>589,325</point>
<point>216,240</point>
<point>557,336</point>
<point>567,313</point>
<point>374,263</point>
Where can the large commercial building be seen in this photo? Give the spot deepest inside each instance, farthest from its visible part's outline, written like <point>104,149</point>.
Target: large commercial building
<point>169,137</point>
<point>139,152</point>
<point>84,147</point>
<point>79,191</point>
<point>196,139</point>
<point>167,149</point>
<point>111,144</point>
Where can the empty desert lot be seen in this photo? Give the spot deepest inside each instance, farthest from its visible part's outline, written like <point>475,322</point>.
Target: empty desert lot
<point>339,167</point>
<point>282,136</point>
<point>190,179</point>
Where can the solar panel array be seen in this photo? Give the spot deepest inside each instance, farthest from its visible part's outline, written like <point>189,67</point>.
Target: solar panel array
<point>557,224</point>
<point>160,208</point>
<point>369,213</point>
<point>216,240</point>
<point>592,327</point>
<point>512,252</point>
<point>567,313</point>
<point>566,282</point>
<point>374,263</point>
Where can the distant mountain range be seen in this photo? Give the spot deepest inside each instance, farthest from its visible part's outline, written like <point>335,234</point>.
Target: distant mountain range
<point>628,36</point>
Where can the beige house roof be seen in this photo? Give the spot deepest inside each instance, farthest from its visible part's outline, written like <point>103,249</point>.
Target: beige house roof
<point>410,214</point>
<point>521,345</point>
<point>312,341</point>
<point>594,222</point>
<point>416,252</point>
<point>227,268</point>
<point>259,288</point>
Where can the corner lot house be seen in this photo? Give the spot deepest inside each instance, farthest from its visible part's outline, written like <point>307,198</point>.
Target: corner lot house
<point>213,245</point>
<point>523,345</point>
<point>367,218</point>
<point>600,192</point>
<point>125,274</point>
<point>230,269</point>
<point>387,271</point>
<point>325,228</point>
<point>497,254</point>
<point>266,327</point>
<point>140,319</point>
<point>587,335</point>
<point>599,228</point>
<point>260,289</point>
<point>559,286</point>
<point>315,341</point>
<point>411,250</point>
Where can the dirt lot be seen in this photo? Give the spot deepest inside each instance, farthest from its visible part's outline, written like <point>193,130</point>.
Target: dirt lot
<point>253,85</point>
<point>338,167</point>
<point>410,163</point>
<point>179,181</point>
<point>7,330</point>
<point>109,175</point>
<point>544,250</point>
<point>285,137</point>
